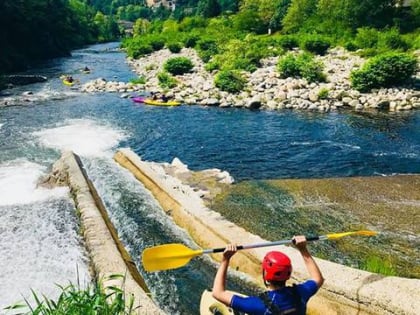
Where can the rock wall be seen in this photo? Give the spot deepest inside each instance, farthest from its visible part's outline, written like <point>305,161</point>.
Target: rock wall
<point>346,290</point>
<point>107,254</point>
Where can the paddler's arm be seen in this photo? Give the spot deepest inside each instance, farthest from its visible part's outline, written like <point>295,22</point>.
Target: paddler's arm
<point>312,267</point>
<point>219,285</point>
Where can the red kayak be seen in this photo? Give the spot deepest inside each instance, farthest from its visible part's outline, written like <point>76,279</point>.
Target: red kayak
<point>138,99</point>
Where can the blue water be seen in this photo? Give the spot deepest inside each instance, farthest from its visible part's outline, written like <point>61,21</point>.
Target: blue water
<point>247,144</point>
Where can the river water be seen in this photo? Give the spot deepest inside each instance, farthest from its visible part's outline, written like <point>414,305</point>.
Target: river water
<point>40,245</point>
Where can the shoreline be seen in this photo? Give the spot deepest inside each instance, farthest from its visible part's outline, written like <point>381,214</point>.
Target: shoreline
<point>265,89</point>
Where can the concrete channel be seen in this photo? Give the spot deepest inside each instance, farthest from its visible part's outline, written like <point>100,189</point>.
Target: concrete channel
<point>106,252</point>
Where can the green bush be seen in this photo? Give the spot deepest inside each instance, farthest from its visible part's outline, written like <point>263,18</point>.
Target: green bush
<point>141,51</point>
<point>166,80</point>
<point>366,38</point>
<point>174,47</point>
<point>302,65</point>
<point>230,81</point>
<point>157,43</point>
<point>323,93</point>
<point>139,80</point>
<point>351,46</point>
<point>383,71</point>
<point>393,40</point>
<point>316,45</point>
<point>178,65</point>
<point>191,40</point>
<point>288,42</point>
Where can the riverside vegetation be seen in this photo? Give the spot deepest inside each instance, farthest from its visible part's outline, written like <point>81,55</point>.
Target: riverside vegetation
<point>233,47</point>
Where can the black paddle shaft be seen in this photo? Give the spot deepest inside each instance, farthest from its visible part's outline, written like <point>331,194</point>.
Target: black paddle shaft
<point>283,242</point>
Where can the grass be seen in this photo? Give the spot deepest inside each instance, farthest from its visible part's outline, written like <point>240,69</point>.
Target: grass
<point>378,265</point>
<point>74,300</point>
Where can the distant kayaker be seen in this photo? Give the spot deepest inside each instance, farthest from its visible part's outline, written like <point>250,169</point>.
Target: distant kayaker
<point>86,69</point>
<point>164,98</point>
<point>276,268</point>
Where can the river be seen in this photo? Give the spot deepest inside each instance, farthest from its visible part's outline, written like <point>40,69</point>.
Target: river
<point>40,242</point>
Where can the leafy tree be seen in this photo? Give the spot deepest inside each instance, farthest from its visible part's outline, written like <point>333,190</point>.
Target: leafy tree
<point>229,5</point>
<point>208,8</point>
<point>248,20</point>
<point>298,13</point>
<point>141,26</point>
<point>355,13</point>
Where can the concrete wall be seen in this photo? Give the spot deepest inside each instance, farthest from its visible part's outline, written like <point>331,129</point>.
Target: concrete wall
<point>346,290</point>
<point>107,254</point>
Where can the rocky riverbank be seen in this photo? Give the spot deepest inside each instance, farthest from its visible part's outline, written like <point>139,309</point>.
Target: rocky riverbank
<point>265,89</point>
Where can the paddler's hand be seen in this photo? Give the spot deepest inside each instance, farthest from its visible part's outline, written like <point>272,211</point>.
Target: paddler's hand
<point>230,250</point>
<point>300,242</point>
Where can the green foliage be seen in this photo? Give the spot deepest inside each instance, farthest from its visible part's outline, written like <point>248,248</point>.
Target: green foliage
<point>230,81</point>
<point>138,47</point>
<point>192,23</point>
<point>392,40</point>
<point>288,42</point>
<point>139,80</point>
<point>302,65</point>
<point>323,93</point>
<point>208,8</point>
<point>166,80</point>
<point>297,14</point>
<point>74,300</point>
<point>249,21</point>
<point>174,47</point>
<point>178,65</point>
<point>33,30</point>
<point>378,265</point>
<point>190,40</point>
<point>366,37</point>
<point>317,45</point>
<point>207,47</point>
<point>157,42</point>
<point>383,71</point>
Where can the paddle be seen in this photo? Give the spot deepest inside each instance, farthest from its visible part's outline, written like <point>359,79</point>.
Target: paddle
<point>171,256</point>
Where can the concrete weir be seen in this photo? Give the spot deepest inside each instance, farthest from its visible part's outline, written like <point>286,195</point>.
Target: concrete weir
<point>108,255</point>
<point>345,291</point>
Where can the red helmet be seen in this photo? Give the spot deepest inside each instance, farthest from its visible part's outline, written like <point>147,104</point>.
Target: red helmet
<point>276,267</point>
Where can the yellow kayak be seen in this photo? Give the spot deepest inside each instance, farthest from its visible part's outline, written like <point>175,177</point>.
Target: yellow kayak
<point>210,306</point>
<point>65,82</point>
<point>160,103</point>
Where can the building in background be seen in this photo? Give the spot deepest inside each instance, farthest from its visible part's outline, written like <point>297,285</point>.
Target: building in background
<point>169,4</point>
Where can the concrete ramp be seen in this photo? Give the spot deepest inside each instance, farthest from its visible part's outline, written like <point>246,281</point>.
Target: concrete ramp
<point>108,255</point>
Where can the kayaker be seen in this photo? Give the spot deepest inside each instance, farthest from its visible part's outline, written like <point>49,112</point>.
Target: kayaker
<point>276,270</point>
<point>86,69</point>
<point>69,79</point>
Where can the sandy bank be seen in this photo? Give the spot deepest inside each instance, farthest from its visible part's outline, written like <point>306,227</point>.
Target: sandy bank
<point>346,290</point>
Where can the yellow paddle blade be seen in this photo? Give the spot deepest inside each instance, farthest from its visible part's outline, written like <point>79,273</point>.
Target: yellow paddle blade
<point>168,256</point>
<point>340,235</point>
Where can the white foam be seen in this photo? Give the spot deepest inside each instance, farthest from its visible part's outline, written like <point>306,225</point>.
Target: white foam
<point>39,248</point>
<point>18,184</point>
<point>1,125</point>
<point>82,136</point>
<point>331,143</point>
